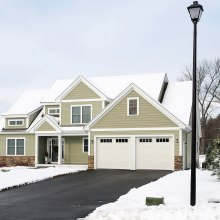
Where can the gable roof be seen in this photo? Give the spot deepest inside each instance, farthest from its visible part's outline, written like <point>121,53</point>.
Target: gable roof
<point>75,83</point>
<point>111,86</point>
<point>107,87</point>
<point>28,102</point>
<point>40,121</point>
<point>146,96</point>
<point>178,99</point>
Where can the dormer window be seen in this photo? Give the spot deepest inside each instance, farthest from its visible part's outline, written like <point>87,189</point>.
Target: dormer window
<point>16,122</point>
<point>53,111</point>
<point>133,106</point>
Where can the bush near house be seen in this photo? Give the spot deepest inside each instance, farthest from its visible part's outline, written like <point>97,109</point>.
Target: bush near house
<point>213,158</point>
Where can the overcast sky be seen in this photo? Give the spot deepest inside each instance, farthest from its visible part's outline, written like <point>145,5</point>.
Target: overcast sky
<point>45,40</point>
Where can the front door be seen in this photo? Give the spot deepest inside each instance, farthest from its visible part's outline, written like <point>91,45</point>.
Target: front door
<point>53,150</point>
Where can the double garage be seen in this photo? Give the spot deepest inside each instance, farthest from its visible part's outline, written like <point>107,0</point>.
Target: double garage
<point>135,153</point>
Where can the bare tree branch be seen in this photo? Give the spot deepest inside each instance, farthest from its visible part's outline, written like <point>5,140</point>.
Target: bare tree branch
<point>208,87</point>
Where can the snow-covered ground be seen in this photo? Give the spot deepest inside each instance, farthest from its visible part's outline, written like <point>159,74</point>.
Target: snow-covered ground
<point>15,176</point>
<point>175,188</point>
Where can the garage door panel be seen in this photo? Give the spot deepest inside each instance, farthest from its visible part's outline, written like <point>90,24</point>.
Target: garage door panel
<point>154,154</point>
<point>113,155</point>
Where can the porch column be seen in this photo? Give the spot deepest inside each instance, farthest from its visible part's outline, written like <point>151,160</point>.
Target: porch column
<point>59,149</point>
<point>36,149</point>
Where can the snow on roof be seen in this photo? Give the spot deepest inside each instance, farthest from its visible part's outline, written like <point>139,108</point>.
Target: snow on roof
<point>111,86</point>
<point>178,100</point>
<point>57,88</point>
<point>26,103</point>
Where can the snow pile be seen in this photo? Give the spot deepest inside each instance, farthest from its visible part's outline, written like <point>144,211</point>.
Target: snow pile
<point>175,188</point>
<point>16,176</point>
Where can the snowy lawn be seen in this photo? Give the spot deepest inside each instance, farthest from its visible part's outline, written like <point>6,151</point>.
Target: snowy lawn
<point>175,188</point>
<point>16,176</point>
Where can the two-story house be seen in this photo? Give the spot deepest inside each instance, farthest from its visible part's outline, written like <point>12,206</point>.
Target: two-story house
<point>118,122</point>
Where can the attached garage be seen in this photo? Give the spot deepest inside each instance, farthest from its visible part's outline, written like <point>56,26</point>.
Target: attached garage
<point>113,153</point>
<point>135,153</point>
<point>154,153</point>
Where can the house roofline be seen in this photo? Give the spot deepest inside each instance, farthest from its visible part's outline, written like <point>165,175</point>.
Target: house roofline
<point>147,97</point>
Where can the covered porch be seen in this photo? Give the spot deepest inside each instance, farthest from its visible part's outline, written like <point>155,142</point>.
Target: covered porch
<point>54,150</point>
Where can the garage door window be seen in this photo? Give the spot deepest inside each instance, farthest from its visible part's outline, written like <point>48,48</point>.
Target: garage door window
<point>162,140</point>
<point>106,140</point>
<point>144,140</point>
<point>121,140</point>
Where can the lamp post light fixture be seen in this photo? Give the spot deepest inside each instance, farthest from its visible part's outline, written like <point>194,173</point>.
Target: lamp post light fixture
<point>195,11</point>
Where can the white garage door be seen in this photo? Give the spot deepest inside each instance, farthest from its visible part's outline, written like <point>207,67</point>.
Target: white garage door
<point>113,153</point>
<point>154,153</point>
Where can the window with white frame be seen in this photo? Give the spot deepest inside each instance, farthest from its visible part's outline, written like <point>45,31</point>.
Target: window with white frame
<point>81,114</point>
<point>85,145</point>
<point>15,146</point>
<point>133,106</point>
<point>53,111</point>
<point>16,122</point>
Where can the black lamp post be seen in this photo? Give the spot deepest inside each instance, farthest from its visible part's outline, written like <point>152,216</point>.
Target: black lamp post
<point>195,11</point>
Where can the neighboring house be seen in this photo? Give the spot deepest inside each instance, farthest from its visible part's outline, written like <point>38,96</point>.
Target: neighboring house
<point>118,122</point>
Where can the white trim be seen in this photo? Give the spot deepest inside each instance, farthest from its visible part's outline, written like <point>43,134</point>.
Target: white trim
<point>43,120</point>
<point>103,104</point>
<point>180,142</point>
<point>128,104</point>
<point>82,100</point>
<point>71,109</point>
<point>16,120</point>
<point>133,163</point>
<point>83,145</point>
<point>54,108</point>
<point>48,132</point>
<point>75,83</point>
<point>49,103</point>
<point>27,121</point>
<point>59,149</point>
<point>36,149</point>
<point>89,144</point>
<point>148,98</point>
<point>15,138</point>
<point>136,129</point>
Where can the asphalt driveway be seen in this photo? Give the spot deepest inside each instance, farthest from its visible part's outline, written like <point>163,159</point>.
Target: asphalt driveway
<point>71,196</point>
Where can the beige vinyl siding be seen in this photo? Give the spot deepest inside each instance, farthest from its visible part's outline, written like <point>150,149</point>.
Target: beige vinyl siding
<point>46,107</point>
<point>73,152</point>
<point>45,127</point>
<point>29,143</point>
<point>136,133</point>
<point>15,127</point>
<point>32,117</point>
<point>66,110</point>
<point>81,91</point>
<point>148,117</point>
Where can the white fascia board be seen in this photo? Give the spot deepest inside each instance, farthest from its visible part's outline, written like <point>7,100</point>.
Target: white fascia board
<point>137,129</point>
<point>75,83</point>
<point>160,107</point>
<point>145,96</point>
<point>15,116</point>
<point>45,119</point>
<point>50,103</point>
